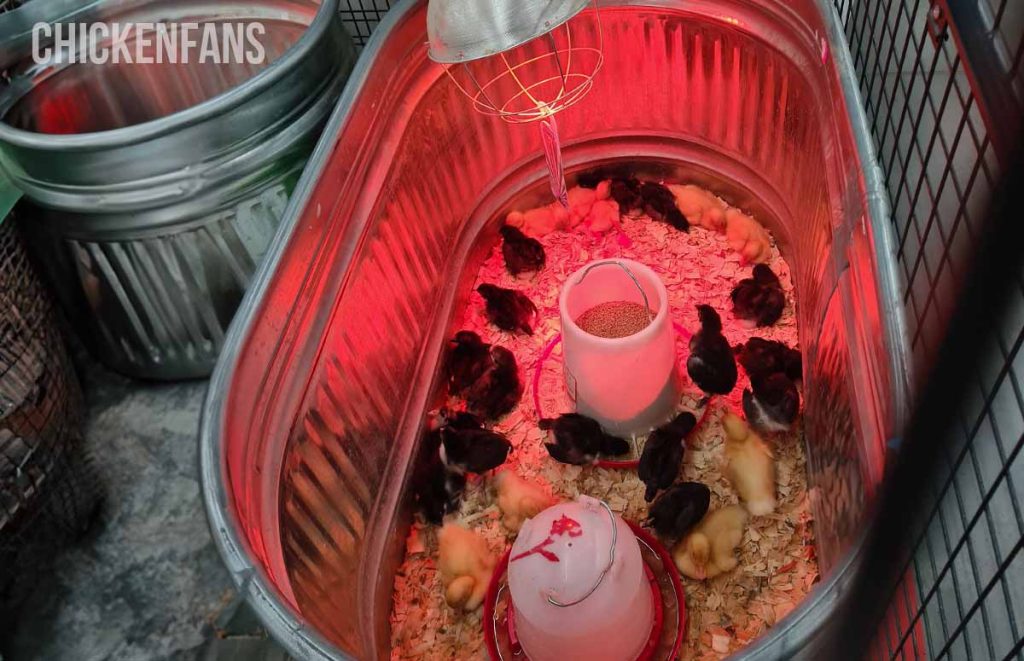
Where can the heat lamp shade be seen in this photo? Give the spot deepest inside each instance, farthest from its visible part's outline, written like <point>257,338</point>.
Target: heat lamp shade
<point>631,384</point>
<point>614,622</point>
<point>466,30</point>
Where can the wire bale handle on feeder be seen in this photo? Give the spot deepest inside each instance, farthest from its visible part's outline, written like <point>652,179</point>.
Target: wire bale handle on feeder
<point>604,572</point>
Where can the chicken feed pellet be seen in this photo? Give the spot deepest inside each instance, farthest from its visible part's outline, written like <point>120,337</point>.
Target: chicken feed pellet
<point>614,319</point>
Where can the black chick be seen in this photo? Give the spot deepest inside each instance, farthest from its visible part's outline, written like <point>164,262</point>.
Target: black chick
<point>592,178</point>
<point>626,191</point>
<point>761,358</point>
<point>711,364</point>
<point>473,450</point>
<point>438,490</point>
<point>663,454</point>
<point>441,495</point>
<point>457,420</point>
<point>759,299</point>
<point>523,254</point>
<point>509,309</point>
<point>470,356</point>
<point>498,389</point>
<point>678,510</point>
<point>773,405</point>
<point>580,441</point>
<point>660,204</point>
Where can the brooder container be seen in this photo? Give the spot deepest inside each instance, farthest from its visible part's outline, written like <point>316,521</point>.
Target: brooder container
<point>313,416</point>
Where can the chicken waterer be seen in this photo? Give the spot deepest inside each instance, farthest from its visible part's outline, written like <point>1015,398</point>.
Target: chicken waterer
<point>578,585</point>
<point>628,384</point>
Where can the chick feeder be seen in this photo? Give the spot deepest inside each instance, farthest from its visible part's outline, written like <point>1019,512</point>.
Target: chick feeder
<point>628,384</point>
<point>580,582</point>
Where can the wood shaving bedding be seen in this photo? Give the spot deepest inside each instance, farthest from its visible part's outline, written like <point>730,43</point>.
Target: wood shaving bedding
<point>777,561</point>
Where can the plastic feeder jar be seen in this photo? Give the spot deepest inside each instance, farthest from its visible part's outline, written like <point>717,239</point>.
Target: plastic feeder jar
<point>629,384</point>
<point>578,586</point>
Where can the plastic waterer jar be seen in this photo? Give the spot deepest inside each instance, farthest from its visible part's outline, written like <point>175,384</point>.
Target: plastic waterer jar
<point>578,585</point>
<point>630,384</point>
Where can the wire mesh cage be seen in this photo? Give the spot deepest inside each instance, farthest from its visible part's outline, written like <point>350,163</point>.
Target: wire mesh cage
<point>47,484</point>
<point>360,17</point>
<point>943,87</point>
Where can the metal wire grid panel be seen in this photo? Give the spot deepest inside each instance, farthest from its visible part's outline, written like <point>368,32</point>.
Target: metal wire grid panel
<point>360,17</point>
<point>46,485</point>
<point>943,95</point>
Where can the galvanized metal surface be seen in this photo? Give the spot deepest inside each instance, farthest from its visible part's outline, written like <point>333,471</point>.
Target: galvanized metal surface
<point>152,210</point>
<point>466,30</point>
<point>16,27</point>
<point>314,411</point>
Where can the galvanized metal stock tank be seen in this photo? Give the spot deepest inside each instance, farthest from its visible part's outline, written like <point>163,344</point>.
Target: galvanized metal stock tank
<point>313,416</point>
<point>157,188</point>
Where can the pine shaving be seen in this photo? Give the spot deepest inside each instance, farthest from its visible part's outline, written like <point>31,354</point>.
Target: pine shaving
<point>777,560</point>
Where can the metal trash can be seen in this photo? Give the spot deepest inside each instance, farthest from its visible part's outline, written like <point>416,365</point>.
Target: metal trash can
<point>49,488</point>
<point>156,188</point>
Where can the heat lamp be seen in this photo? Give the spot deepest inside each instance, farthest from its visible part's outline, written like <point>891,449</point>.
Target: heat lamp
<point>522,61</point>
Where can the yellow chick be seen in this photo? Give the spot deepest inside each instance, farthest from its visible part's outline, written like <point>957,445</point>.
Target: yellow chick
<point>699,206</point>
<point>465,564</point>
<point>746,236</point>
<point>749,466</point>
<point>555,218</point>
<point>604,216</point>
<point>710,549</point>
<point>519,500</point>
<point>540,221</point>
<point>580,201</point>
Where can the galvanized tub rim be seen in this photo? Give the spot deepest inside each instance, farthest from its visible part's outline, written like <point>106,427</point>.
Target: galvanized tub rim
<point>281,619</point>
<point>163,126</point>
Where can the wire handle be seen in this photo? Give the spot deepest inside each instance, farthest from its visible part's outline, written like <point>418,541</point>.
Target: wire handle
<point>604,572</point>
<point>636,281</point>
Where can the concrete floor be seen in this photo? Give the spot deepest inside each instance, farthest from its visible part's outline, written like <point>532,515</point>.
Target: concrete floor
<point>147,583</point>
